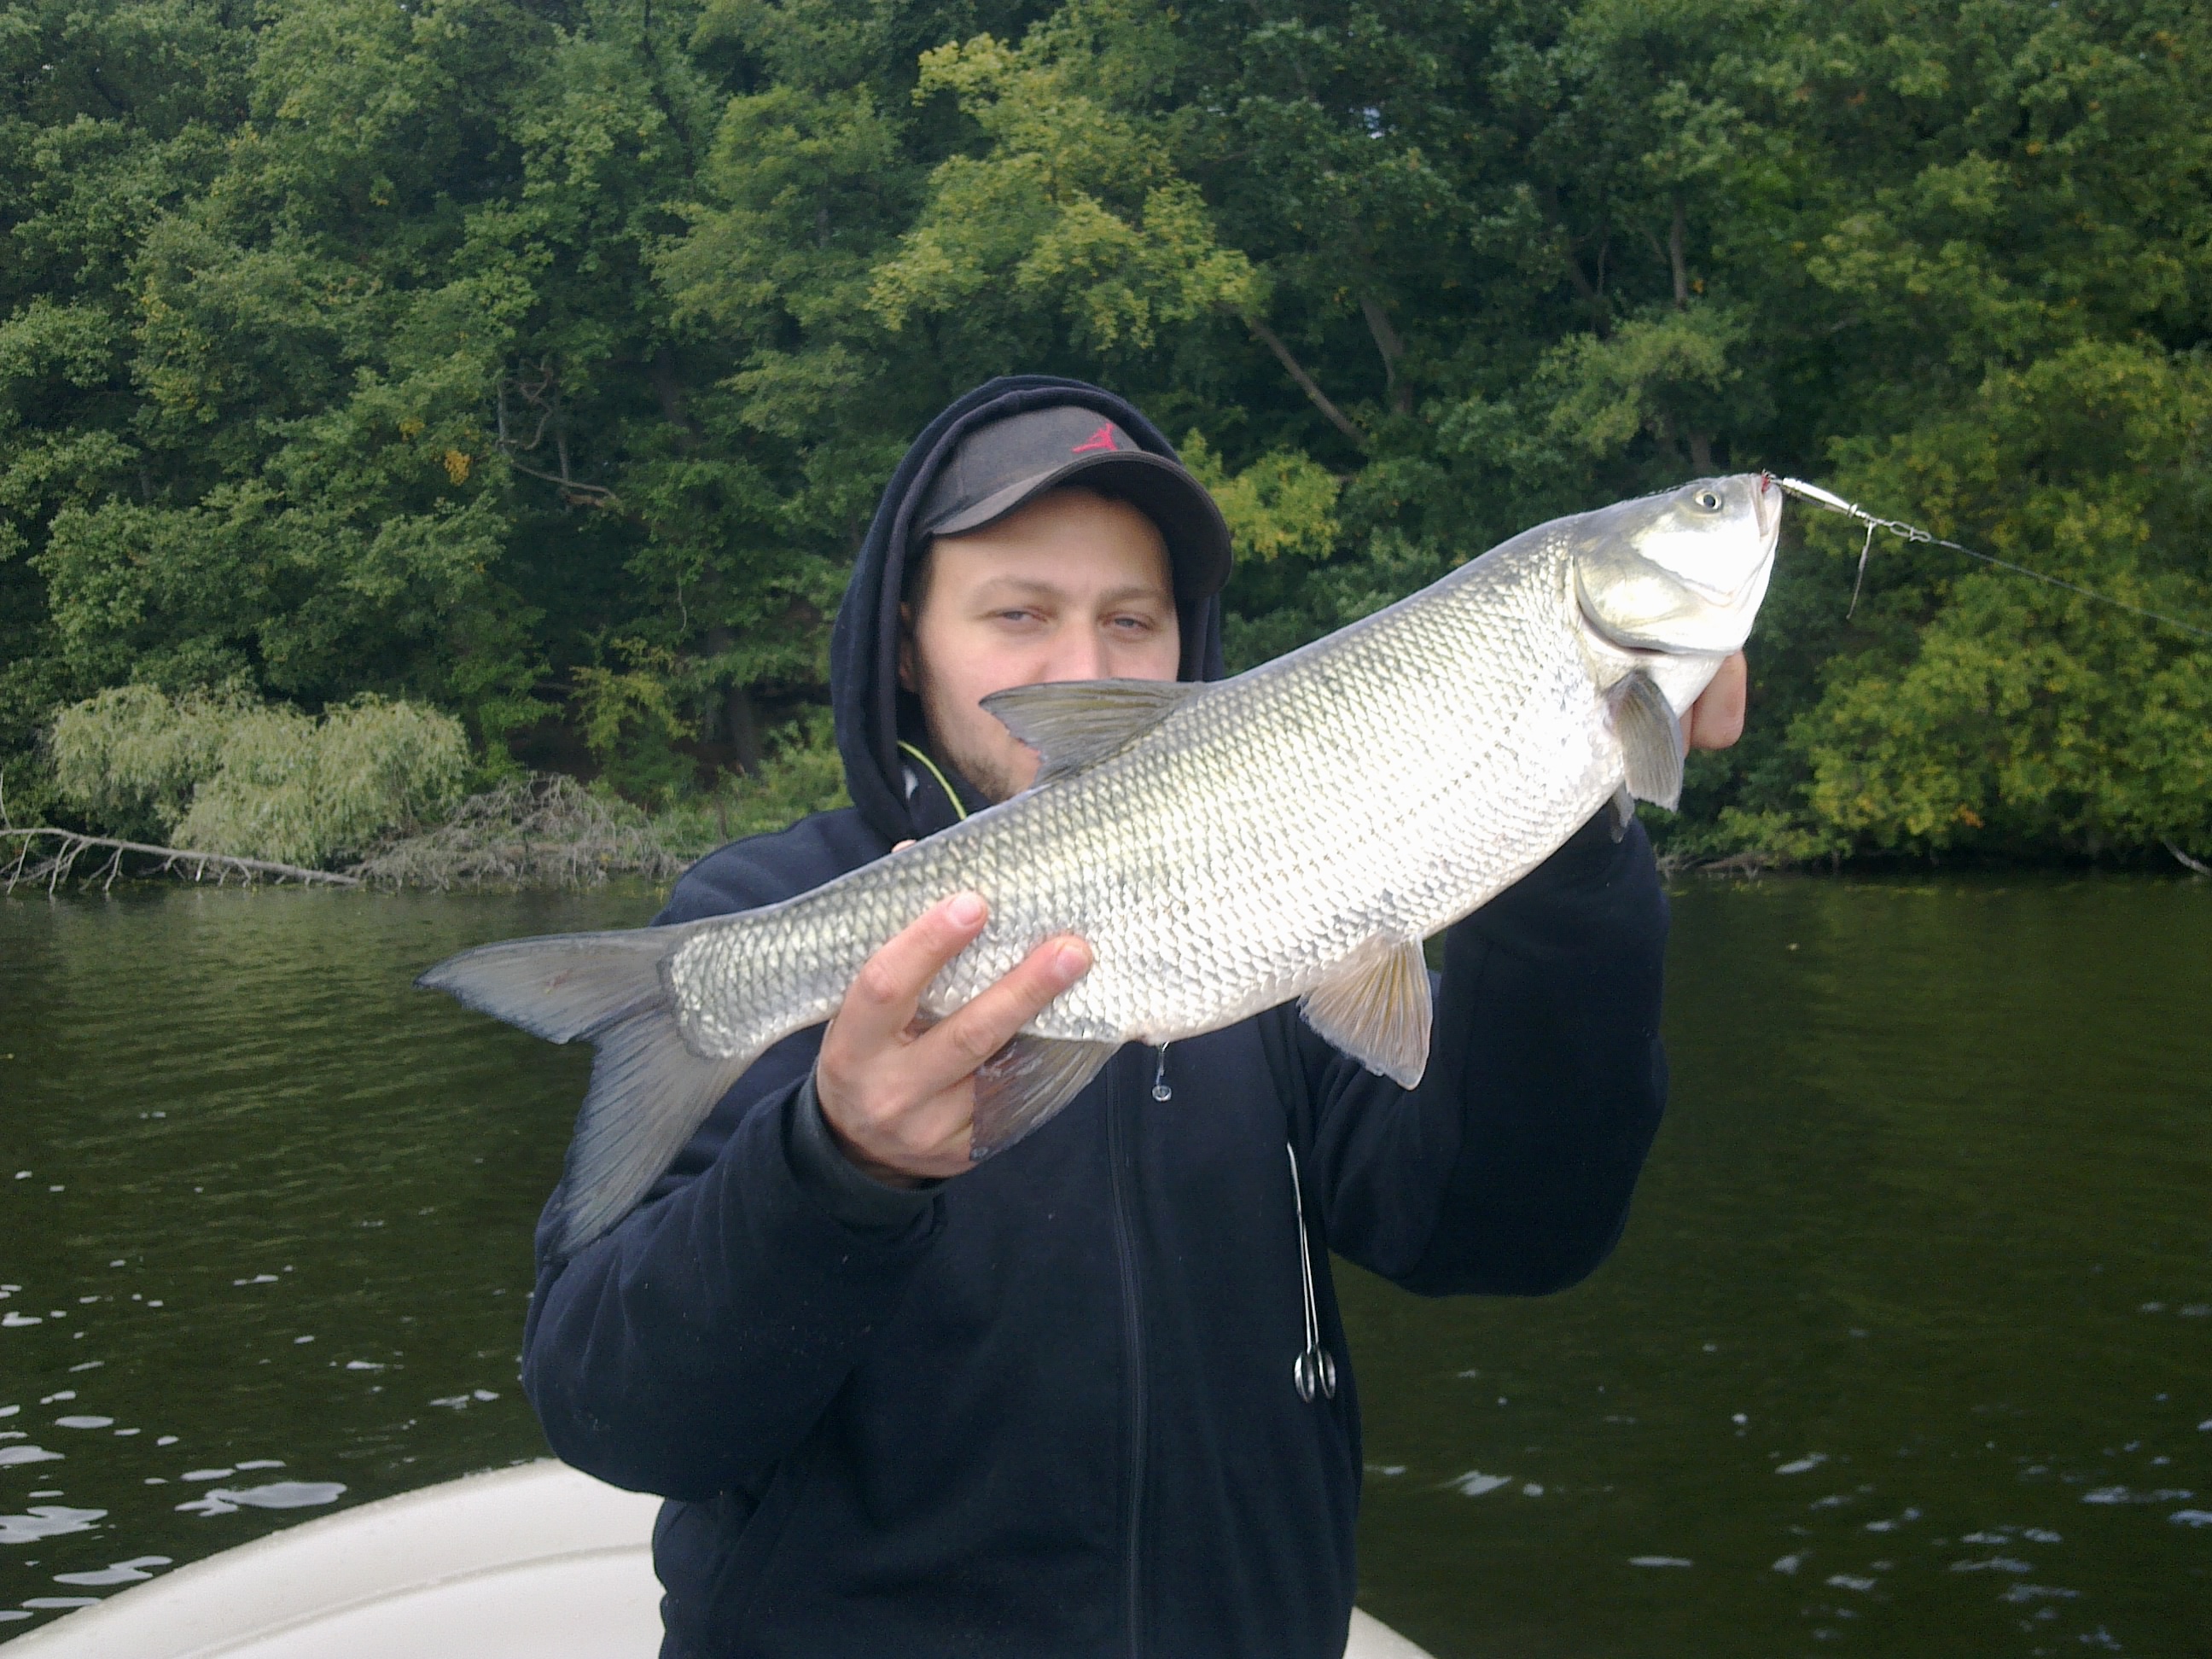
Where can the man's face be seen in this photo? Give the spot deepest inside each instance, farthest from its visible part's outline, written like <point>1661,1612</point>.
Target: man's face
<point>1071,586</point>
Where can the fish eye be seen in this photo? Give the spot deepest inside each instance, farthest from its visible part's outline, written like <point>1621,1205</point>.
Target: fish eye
<point>1709,499</point>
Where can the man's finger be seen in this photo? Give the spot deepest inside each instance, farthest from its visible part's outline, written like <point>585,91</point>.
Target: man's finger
<point>881,1002</point>
<point>963,1040</point>
<point>1716,717</point>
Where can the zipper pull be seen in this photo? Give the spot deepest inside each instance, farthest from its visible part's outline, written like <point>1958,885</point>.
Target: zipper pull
<point>1314,1369</point>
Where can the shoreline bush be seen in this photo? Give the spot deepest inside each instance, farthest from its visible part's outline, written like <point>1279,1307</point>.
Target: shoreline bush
<point>219,772</point>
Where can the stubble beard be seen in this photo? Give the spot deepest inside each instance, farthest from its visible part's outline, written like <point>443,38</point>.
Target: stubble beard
<point>988,772</point>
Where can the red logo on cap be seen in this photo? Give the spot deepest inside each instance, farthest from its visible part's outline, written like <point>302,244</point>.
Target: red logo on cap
<point>1102,439</point>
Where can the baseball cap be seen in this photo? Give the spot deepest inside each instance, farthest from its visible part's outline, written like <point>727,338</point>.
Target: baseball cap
<point>996,468</point>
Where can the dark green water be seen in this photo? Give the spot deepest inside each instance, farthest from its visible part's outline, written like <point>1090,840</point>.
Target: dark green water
<point>1907,1350</point>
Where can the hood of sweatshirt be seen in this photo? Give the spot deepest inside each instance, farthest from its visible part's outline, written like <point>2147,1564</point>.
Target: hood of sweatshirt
<point>898,798</point>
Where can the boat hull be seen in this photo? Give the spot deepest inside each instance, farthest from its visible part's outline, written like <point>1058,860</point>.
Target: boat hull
<point>533,1562</point>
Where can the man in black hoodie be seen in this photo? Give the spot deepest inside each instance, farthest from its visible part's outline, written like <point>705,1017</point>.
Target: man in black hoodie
<point>1090,1397</point>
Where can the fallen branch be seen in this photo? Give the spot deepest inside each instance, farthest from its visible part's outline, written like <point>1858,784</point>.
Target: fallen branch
<point>2197,864</point>
<point>1751,863</point>
<point>544,832</point>
<point>58,864</point>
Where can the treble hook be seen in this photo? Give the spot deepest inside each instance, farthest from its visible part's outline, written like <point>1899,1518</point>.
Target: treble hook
<point>1861,580</point>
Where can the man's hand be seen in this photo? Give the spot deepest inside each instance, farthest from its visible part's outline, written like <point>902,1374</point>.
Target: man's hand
<point>1716,720</point>
<point>900,1101</point>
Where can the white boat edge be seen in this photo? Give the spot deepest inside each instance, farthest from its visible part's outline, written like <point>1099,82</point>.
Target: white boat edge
<point>537,1561</point>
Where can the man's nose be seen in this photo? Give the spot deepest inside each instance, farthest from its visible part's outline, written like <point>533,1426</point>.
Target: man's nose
<point>1081,656</point>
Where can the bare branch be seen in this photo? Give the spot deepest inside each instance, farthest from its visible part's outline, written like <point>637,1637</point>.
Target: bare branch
<point>1320,400</point>
<point>575,494</point>
<point>2197,864</point>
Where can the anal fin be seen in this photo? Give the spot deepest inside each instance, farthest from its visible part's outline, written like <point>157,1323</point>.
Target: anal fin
<point>1650,740</point>
<point>1025,1083</point>
<point>1375,1005</point>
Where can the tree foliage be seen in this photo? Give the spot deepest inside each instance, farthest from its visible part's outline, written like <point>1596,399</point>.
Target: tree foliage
<point>541,362</point>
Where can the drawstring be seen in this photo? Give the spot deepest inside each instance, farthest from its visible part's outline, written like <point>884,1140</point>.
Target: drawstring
<point>1162,1089</point>
<point>1316,1368</point>
<point>942,782</point>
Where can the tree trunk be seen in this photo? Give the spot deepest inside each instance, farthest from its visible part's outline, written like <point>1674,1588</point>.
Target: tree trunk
<point>1678,255</point>
<point>1678,259</point>
<point>1392,348</point>
<point>732,717</point>
<point>1592,294</point>
<point>668,392</point>
<point>743,721</point>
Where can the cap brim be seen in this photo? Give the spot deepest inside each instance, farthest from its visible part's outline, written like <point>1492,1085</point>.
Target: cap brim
<point>1191,524</point>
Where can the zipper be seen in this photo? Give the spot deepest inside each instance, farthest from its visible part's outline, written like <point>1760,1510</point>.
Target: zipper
<point>1132,1343</point>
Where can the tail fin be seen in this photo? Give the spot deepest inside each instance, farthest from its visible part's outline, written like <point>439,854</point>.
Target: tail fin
<point>649,1090</point>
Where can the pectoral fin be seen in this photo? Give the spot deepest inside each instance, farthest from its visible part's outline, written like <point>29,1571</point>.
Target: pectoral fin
<point>1072,723</point>
<point>1375,1006</point>
<point>1650,738</point>
<point>1025,1083</point>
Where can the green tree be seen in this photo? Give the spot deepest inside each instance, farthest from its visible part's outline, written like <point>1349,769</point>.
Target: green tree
<point>543,363</point>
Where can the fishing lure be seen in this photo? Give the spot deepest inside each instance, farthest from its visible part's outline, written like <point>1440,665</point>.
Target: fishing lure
<point>1909,532</point>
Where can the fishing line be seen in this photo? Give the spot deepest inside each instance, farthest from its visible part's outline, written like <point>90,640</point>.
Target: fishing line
<point>1912,532</point>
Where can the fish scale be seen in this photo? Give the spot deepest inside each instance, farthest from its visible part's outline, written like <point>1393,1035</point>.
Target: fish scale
<point>1293,832</point>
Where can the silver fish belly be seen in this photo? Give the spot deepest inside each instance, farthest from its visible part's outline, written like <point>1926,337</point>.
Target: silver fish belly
<point>1295,831</point>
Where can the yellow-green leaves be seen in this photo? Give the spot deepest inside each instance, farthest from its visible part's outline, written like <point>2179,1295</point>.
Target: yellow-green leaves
<point>629,718</point>
<point>1282,505</point>
<point>1074,210</point>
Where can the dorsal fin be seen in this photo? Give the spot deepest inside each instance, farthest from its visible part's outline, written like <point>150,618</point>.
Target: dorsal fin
<point>1072,723</point>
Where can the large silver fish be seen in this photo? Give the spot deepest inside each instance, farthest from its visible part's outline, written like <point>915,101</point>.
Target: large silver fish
<point>1296,831</point>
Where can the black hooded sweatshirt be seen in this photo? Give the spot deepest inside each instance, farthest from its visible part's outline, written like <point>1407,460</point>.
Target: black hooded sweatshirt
<point>1047,1408</point>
